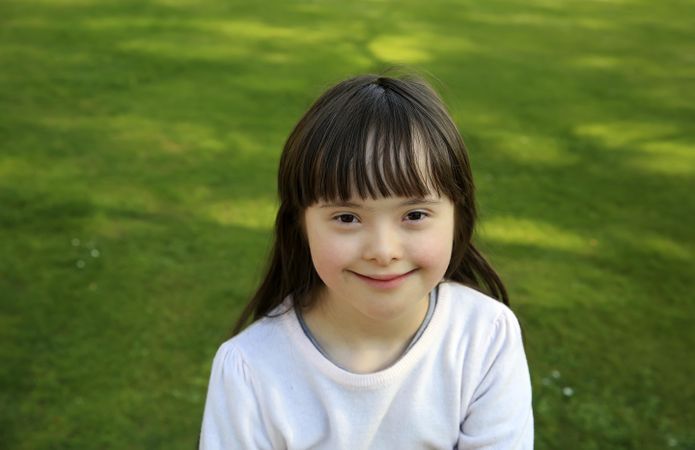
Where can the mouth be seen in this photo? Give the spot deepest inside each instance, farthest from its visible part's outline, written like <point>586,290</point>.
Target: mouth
<point>385,277</point>
<point>384,281</point>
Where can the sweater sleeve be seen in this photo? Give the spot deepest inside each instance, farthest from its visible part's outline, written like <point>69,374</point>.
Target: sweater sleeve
<point>232,417</point>
<point>500,415</point>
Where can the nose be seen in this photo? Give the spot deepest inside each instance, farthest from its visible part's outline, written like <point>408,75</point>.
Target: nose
<point>383,246</point>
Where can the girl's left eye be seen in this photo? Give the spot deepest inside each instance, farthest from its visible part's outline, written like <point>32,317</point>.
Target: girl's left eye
<point>345,218</point>
<point>416,216</point>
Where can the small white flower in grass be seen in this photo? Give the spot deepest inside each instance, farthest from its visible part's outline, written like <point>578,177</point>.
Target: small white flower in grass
<point>80,264</point>
<point>671,441</point>
<point>546,381</point>
<point>94,253</point>
<point>555,374</point>
<point>75,242</point>
<point>567,391</point>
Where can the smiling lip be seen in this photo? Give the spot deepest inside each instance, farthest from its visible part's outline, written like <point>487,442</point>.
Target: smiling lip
<point>384,281</point>
<point>384,277</point>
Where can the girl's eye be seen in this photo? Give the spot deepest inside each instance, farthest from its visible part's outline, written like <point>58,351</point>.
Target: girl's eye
<point>345,218</point>
<point>416,216</point>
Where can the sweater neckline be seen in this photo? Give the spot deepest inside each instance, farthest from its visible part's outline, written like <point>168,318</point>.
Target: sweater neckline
<point>374,379</point>
<point>431,306</point>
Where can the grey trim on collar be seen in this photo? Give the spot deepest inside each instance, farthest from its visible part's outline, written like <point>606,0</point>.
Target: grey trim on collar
<point>428,316</point>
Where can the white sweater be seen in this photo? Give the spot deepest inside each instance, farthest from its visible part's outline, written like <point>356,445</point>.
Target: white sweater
<point>464,384</point>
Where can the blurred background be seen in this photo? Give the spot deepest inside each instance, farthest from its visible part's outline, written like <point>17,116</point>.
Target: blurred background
<point>139,142</point>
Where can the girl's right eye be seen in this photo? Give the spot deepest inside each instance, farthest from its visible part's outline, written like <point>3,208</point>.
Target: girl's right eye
<point>345,218</point>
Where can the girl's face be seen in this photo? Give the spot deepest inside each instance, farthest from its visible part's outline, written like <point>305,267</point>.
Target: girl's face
<point>379,258</point>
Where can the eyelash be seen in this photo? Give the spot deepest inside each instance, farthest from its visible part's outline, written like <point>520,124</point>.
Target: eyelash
<point>337,218</point>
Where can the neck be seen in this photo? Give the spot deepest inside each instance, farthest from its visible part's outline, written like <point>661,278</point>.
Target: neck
<point>360,343</point>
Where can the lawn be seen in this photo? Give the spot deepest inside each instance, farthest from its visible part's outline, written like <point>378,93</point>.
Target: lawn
<point>138,148</point>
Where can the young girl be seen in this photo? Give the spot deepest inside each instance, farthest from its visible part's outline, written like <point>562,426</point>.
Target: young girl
<point>371,329</point>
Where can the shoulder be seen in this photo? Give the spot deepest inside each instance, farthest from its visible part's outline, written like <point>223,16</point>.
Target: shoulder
<point>264,343</point>
<point>466,302</point>
<point>496,406</point>
<point>237,392</point>
<point>268,328</point>
<point>474,318</point>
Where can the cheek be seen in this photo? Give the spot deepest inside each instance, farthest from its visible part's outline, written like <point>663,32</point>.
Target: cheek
<point>328,255</point>
<point>433,250</point>
<point>432,254</point>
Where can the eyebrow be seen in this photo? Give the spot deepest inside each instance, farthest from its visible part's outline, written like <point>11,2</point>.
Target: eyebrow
<point>412,201</point>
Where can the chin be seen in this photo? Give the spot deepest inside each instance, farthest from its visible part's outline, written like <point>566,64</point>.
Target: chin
<point>386,310</point>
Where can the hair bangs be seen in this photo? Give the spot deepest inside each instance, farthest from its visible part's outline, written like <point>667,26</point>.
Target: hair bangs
<point>380,148</point>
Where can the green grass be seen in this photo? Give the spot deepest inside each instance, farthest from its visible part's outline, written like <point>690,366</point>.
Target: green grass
<point>138,149</point>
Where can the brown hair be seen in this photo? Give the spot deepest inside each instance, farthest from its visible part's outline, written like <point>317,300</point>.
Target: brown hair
<point>367,134</point>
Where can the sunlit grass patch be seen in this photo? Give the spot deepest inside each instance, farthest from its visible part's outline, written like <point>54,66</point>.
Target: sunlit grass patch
<point>647,146</point>
<point>667,158</point>
<point>626,134</point>
<point>533,233</point>
<point>531,149</point>
<point>258,213</point>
